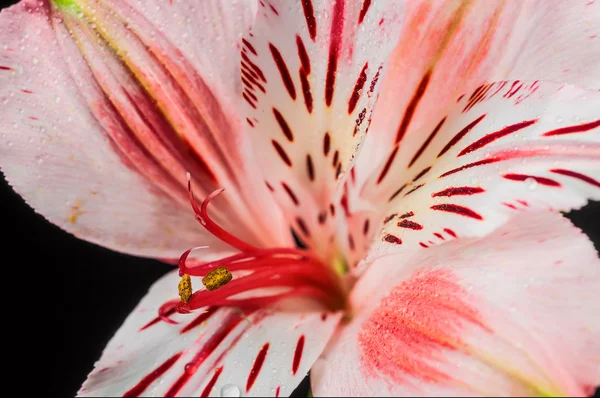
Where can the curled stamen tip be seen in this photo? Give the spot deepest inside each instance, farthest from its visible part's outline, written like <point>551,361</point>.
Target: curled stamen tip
<point>217,278</point>
<point>185,288</point>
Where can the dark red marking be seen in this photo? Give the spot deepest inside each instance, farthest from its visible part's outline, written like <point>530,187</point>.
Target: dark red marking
<point>212,382</point>
<point>282,153</point>
<point>251,95</point>
<point>414,189</point>
<point>510,205</point>
<point>303,55</point>
<point>250,122</point>
<point>366,227</point>
<point>326,144</point>
<point>450,232</point>
<point>322,217</point>
<point>412,106</point>
<point>332,209</point>
<point>5,68</point>
<point>199,319</point>
<point>360,83</point>
<point>302,226</point>
<point>452,191</point>
<point>523,202</point>
<point>270,187</point>
<point>274,9</point>
<point>422,173</point>
<point>351,242</point>
<point>167,313</point>
<point>247,98</point>
<point>439,235</point>
<point>540,180</point>
<point>363,11</point>
<point>258,363</point>
<point>410,225</point>
<point>392,239</point>
<point>389,218</point>
<point>310,169</point>
<point>290,193</point>
<point>298,354</point>
<point>510,89</point>
<point>283,71</point>
<point>337,27</point>
<point>460,135</point>
<point>461,210</point>
<point>311,22</point>
<point>427,142</point>
<point>478,98</point>
<point>489,138</point>
<point>579,176</point>
<point>336,156</point>
<point>249,46</point>
<point>277,391</point>
<point>255,68</point>
<point>26,91</point>
<point>513,90</point>
<point>285,128</point>
<point>469,165</point>
<point>387,165</point>
<point>423,245</point>
<point>140,387</point>
<point>338,170</point>
<point>308,100</point>
<point>248,77</point>
<point>407,214</point>
<point>573,129</point>
<point>398,192</point>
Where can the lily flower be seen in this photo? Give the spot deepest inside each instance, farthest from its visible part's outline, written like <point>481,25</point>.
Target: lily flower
<point>433,258</point>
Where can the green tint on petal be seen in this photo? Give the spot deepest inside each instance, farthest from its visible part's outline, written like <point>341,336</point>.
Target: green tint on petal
<point>67,5</point>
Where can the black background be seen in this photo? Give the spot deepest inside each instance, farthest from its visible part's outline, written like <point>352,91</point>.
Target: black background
<point>67,297</point>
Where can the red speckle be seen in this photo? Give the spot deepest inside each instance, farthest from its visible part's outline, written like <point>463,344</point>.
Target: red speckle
<point>324,316</point>
<point>248,100</point>
<point>252,50</point>
<point>5,68</point>
<point>450,232</point>
<point>283,71</point>
<point>168,312</point>
<point>282,154</point>
<point>540,180</point>
<point>469,165</point>
<point>392,239</point>
<point>407,214</point>
<point>427,142</point>
<point>250,122</point>
<point>273,9</point>
<point>298,354</point>
<point>303,55</point>
<point>578,176</point>
<point>308,100</point>
<point>302,226</point>
<point>410,225</point>
<point>489,138</point>
<point>414,189</point>
<point>212,382</point>
<point>461,210</point>
<point>285,128</point>
<point>27,91</point>
<point>389,218</point>
<point>363,11</point>
<point>337,26</point>
<point>360,83</point>
<point>460,135</point>
<point>310,169</point>
<point>140,387</point>
<point>291,193</point>
<point>509,205</point>
<point>366,227</point>
<point>33,118</point>
<point>270,187</point>
<point>351,242</point>
<point>423,245</point>
<point>277,391</point>
<point>438,235</point>
<point>398,192</point>
<point>452,191</point>
<point>422,173</point>
<point>336,156</point>
<point>311,22</point>
<point>254,68</point>
<point>581,128</point>
<point>258,363</point>
<point>387,165</point>
<point>326,144</point>
<point>404,336</point>
<point>412,106</point>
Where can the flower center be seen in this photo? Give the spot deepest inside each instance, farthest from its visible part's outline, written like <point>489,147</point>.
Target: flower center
<point>260,276</point>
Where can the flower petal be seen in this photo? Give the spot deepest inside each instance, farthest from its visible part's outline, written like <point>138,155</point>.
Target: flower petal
<point>214,352</point>
<point>506,148</point>
<point>310,70</point>
<point>450,47</point>
<point>118,114</point>
<point>510,314</point>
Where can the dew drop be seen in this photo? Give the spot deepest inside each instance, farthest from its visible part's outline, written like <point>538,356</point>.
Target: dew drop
<point>559,119</point>
<point>190,368</point>
<point>229,390</point>
<point>531,183</point>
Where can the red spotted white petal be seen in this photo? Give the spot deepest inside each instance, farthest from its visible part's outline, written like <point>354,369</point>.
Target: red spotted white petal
<point>500,151</point>
<point>310,71</point>
<point>104,114</point>
<point>512,314</point>
<point>215,352</point>
<point>449,48</point>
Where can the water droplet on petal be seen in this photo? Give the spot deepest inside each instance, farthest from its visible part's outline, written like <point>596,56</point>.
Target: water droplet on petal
<point>190,368</point>
<point>229,390</point>
<point>531,183</point>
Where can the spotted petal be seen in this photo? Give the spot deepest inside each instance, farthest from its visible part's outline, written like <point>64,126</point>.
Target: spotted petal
<point>512,314</point>
<point>502,150</point>
<point>215,352</point>
<point>310,70</point>
<point>103,115</point>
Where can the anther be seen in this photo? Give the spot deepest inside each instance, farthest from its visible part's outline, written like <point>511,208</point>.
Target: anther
<point>216,278</point>
<point>185,288</point>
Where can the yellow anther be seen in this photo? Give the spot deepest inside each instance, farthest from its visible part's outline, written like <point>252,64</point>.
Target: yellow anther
<point>216,278</point>
<point>185,288</point>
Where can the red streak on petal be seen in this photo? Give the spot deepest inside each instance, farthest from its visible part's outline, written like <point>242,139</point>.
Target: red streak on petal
<point>298,354</point>
<point>311,22</point>
<point>291,193</point>
<point>303,55</point>
<point>398,192</point>
<point>363,11</point>
<point>337,27</point>
<point>285,128</point>
<point>460,135</point>
<point>258,363</point>
<point>461,210</point>
<point>360,83</point>
<point>489,138</point>
<point>412,106</point>
<point>427,142</point>
<point>392,239</point>
<point>326,144</point>
<point>310,169</point>
<point>407,214</point>
<point>579,176</point>
<point>469,165</point>
<point>452,191</point>
<point>573,129</point>
<point>255,68</point>
<point>252,50</point>
<point>199,320</point>
<point>140,387</point>
<point>366,227</point>
<point>387,165</point>
<point>171,311</point>
<point>212,382</point>
<point>540,180</point>
<point>410,225</point>
<point>277,391</point>
<point>414,189</point>
<point>283,71</point>
<point>5,68</point>
<point>450,232</point>
<point>302,226</point>
<point>308,100</point>
<point>284,156</point>
<point>422,173</point>
<point>439,235</point>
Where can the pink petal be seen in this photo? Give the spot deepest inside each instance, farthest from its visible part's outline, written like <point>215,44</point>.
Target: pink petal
<point>310,71</point>
<point>131,124</point>
<point>449,48</point>
<point>510,314</point>
<point>503,150</point>
<point>209,353</point>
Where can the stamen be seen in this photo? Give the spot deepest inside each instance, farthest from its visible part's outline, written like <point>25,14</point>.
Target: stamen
<point>215,279</point>
<point>185,288</point>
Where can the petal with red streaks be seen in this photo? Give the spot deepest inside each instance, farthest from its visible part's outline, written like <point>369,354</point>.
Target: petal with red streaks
<point>209,353</point>
<point>512,314</point>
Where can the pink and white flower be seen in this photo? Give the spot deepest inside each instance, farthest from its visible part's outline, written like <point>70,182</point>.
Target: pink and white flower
<point>435,262</point>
